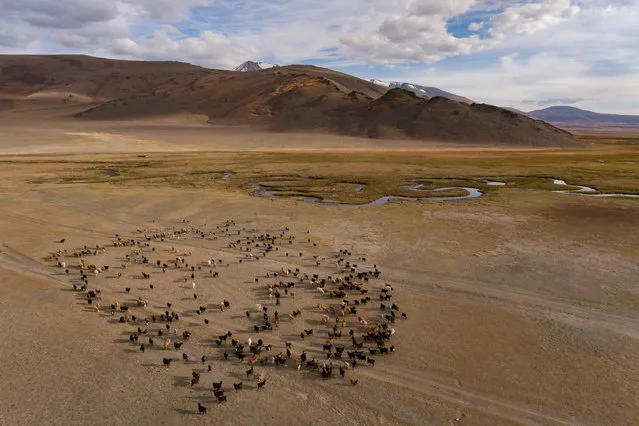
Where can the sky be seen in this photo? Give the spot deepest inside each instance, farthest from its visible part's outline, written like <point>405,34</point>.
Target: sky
<point>525,54</point>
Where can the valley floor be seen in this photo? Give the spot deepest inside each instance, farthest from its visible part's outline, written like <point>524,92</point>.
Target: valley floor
<point>522,304</point>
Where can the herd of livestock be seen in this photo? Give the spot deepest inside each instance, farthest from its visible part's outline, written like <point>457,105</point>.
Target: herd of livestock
<point>234,289</point>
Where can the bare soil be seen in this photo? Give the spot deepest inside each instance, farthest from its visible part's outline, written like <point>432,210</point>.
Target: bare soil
<point>522,305</point>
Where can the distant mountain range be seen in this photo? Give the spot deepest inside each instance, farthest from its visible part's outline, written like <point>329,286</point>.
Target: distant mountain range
<point>430,92</point>
<point>575,118</point>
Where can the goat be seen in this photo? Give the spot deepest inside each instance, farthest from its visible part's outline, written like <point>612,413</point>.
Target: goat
<point>261,384</point>
<point>201,408</point>
<point>167,361</point>
<point>238,386</point>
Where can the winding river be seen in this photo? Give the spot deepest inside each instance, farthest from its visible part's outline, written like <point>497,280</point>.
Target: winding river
<point>262,192</point>
<point>585,190</point>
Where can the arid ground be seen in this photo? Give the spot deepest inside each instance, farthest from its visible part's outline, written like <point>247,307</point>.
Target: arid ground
<point>522,305</point>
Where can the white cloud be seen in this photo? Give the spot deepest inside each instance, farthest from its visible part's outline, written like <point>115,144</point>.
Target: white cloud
<point>441,7</point>
<point>82,24</point>
<point>417,33</point>
<point>209,48</point>
<point>560,101</point>
<point>162,9</point>
<point>541,77</point>
<point>528,18</point>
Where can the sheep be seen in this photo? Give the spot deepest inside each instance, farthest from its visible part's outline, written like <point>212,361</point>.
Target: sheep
<point>322,308</point>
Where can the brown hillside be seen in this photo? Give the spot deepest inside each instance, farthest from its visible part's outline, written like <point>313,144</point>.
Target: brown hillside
<point>284,99</point>
<point>352,83</point>
<point>96,79</point>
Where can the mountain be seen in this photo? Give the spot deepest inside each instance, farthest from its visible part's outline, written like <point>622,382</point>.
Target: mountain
<point>51,79</point>
<point>429,92</point>
<point>296,98</point>
<point>253,66</point>
<point>575,118</point>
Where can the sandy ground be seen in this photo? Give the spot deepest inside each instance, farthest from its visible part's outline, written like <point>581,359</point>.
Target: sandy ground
<point>54,131</point>
<point>521,309</point>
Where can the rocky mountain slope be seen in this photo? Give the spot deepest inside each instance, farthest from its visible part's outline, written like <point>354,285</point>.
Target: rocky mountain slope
<point>283,99</point>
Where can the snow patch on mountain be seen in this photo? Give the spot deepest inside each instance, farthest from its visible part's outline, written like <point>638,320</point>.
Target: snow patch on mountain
<point>254,66</point>
<point>430,92</point>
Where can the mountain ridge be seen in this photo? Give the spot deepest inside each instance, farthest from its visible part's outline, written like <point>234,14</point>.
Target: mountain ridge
<point>298,98</point>
<point>568,116</point>
<point>427,91</point>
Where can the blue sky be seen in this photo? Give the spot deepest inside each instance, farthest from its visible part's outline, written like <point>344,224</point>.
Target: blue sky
<point>525,54</point>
